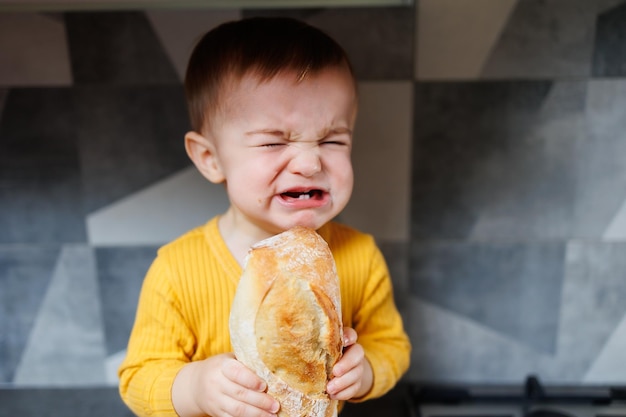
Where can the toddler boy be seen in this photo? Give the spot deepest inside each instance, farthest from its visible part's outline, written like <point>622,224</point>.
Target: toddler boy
<point>273,104</point>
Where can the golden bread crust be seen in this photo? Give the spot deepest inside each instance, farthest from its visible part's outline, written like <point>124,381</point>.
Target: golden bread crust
<point>285,321</point>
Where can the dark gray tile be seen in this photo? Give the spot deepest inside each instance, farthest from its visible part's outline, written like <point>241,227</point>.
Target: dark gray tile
<point>609,54</point>
<point>544,39</point>
<point>600,164</point>
<point>513,288</point>
<point>378,40</point>
<point>114,48</point>
<point>130,137</point>
<point>76,402</point>
<point>393,404</point>
<point>4,92</point>
<point>25,273</point>
<point>40,188</point>
<point>493,159</point>
<point>120,275</point>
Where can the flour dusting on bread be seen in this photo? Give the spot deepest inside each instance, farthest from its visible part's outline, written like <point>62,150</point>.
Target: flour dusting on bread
<point>285,322</point>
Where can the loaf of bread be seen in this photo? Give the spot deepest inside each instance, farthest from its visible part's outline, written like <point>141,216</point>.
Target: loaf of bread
<point>285,322</point>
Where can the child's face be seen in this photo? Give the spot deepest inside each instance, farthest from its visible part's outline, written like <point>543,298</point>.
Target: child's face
<point>283,148</point>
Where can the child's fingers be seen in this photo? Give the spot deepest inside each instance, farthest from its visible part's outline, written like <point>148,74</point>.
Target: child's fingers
<point>349,336</point>
<point>346,386</point>
<point>248,391</point>
<point>248,402</point>
<point>352,357</point>
<point>242,375</point>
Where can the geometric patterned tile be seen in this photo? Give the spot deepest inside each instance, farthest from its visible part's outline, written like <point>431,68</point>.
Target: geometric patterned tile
<point>544,39</point>
<point>511,287</point>
<point>496,159</point>
<point>24,277</point>
<point>130,137</point>
<point>116,48</point>
<point>34,51</point>
<point>179,30</point>
<point>593,300</point>
<point>382,136</point>
<point>610,43</point>
<point>73,402</point>
<point>609,366</point>
<point>450,348</point>
<point>454,347</point>
<point>600,165</point>
<point>145,217</point>
<point>383,49</point>
<point>66,344</point>
<point>39,168</point>
<point>454,37</point>
<point>121,271</point>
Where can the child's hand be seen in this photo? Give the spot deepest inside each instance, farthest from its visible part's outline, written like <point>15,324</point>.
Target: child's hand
<point>221,386</point>
<point>353,375</point>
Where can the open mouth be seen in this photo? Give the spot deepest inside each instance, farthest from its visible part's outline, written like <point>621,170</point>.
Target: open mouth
<point>303,195</point>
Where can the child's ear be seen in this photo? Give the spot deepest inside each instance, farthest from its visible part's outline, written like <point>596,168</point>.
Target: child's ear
<point>202,152</point>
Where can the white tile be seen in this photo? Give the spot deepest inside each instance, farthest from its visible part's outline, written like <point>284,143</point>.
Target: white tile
<point>34,50</point>
<point>455,37</point>
<point>66,344</point>
<point>382,161</point>
<point>159,213</point>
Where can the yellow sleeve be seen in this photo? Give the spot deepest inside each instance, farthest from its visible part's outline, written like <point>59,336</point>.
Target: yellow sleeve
<point>380,329</point>
<point>159,346</point>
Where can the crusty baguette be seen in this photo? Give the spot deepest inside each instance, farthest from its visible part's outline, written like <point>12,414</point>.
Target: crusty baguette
<point>285,322</point>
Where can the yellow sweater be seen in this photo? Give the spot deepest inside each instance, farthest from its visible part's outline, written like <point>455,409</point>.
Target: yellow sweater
<point>185,301</point>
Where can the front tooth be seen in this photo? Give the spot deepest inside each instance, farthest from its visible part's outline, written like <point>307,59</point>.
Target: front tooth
<point>304,196</point>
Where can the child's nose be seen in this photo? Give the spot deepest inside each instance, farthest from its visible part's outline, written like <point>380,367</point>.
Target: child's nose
<point>306,162</point>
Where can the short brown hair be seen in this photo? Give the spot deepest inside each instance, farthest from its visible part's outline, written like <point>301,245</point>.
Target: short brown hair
<point>264,46</point>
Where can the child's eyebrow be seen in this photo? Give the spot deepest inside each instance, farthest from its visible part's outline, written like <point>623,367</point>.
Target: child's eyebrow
<point>289,134</point>
<point>274,132</point>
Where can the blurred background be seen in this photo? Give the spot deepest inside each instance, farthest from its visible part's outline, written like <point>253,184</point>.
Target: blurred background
<point>490,161</point>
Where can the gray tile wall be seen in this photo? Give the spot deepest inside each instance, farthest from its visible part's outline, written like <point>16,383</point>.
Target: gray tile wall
<point>496,129</point>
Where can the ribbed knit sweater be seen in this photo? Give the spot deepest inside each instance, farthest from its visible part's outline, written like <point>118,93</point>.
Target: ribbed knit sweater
<point>185,302</point>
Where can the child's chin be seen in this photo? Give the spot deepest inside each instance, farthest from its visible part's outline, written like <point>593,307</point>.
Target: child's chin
<point>311,223</point>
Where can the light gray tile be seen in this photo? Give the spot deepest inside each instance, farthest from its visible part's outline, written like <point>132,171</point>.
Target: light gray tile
<point>66,344</point>
<point>451,348</point>
<point>608,367</point>
<point>593,299</point>
<point>145,217</point>
<point>25,272</point>
<point>511,287</point>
